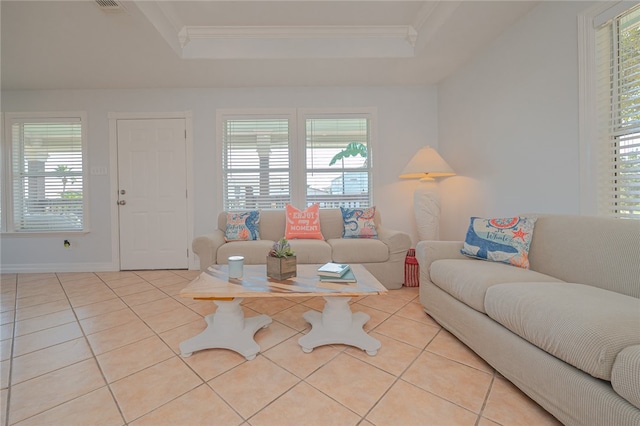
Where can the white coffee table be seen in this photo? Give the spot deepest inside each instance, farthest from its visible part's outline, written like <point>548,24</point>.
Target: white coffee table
<point>228,328</point>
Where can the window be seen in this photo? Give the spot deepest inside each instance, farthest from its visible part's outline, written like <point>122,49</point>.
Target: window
<point>617,55</point>
<point>338,169</point>
<point>304,157</point>
<point>45,180</point>
<point>256,163</point>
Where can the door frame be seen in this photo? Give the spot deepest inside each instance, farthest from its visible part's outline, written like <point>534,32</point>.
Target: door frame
<point>113,173</point>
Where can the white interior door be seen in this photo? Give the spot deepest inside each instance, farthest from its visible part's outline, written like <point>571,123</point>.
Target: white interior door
<point>152,194</point>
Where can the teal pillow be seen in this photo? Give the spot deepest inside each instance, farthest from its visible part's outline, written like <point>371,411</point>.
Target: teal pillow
<point>242,226</point>
<point>358,223</point>
<point>505,240</point>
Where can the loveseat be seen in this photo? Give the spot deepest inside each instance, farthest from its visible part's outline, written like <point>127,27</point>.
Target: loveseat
<point>566,331</point>
<point>383,256</point>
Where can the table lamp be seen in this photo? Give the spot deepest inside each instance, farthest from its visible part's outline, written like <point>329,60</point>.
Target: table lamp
<point>426,165</point>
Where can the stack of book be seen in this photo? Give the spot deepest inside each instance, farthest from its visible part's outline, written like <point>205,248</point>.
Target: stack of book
<point>336,273</point>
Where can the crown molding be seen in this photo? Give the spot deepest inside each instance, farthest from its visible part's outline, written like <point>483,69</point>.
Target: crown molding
<point>218,42</point>
<point>264,42</point>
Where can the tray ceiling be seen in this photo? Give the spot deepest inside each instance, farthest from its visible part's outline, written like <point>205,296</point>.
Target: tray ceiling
<point>138,44</point>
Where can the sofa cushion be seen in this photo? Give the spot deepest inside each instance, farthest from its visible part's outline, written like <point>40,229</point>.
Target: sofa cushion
<point>359,223</point>
<point>311,251</point>
<point>582,325</point>
<point>356,250</point>
<point>242,226</point>
<point>304,224</point>
<point>599,251</point>
<point>625,375</point>
<point>468,280</point>
<point>505,240</point>
<point>254,252</point>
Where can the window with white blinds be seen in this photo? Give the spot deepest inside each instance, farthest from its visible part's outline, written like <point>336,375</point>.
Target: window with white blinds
<point>256,163</point>
<point>300,157</point>
<point>46,174</point>
<point>618,100</point>
<point>338,171</point>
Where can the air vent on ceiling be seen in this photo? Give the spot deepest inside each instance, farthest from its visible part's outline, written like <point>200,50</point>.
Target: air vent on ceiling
<point>109,5</point>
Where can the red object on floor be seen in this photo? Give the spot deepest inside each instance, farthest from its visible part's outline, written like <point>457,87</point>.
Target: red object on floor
<point>411,270</point>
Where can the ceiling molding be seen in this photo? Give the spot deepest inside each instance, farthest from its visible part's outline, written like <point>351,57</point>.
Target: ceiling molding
<point>262,42</point>
<point>163,21</point>
<point>224,42</point>
<point>431,18</point>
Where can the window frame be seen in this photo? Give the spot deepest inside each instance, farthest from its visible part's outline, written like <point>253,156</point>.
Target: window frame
<point>349,113</point>
<point>591,157</point>
<point>11,118</point>
<point>297,145</point>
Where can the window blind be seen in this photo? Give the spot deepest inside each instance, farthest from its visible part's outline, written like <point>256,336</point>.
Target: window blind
<point>618,97</point>
<point>256,163</point>
<point>47,174</point>
<point>346,181</point>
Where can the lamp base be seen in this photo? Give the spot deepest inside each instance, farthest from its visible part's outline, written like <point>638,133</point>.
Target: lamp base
<point>426,206</point>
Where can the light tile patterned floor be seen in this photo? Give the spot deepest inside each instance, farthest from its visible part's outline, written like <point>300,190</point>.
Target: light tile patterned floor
<point>102,348</point>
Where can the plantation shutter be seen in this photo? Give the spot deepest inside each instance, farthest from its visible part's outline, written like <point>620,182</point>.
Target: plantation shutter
<point>47,174</point>
<point>618,97</point>
<point>256,165</point>
<point>346,182</point>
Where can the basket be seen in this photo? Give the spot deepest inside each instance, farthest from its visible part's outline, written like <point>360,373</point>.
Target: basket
<point>411,269</point>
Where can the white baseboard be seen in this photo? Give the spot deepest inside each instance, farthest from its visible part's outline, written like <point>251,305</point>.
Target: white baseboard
<point>58,267</point>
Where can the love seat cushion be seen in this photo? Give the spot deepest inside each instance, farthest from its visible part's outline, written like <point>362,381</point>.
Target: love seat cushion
<point>358,250</point>
<point>625,376</point>
<point>468,279</point>
<point>254,252</point>
<point>582,325</point>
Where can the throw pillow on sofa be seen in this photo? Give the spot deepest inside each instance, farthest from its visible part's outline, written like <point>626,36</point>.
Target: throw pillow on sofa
<point>303,224</point>
<point>505,240</point>
<point>358,223</point>
<point>242,226</point>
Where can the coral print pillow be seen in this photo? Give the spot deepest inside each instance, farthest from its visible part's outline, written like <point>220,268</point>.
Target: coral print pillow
<point>242,226</point>
<point>303,224</point>
<point>358,223</point>
<point>504,240</point>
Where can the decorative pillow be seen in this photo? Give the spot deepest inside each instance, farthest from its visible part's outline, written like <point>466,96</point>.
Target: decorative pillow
<point>358,223</point>
<point>242,226</point>
<point>303,224</point>
<point>503,240</point>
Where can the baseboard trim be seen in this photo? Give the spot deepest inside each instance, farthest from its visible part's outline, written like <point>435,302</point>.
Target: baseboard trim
<point>58,267</point>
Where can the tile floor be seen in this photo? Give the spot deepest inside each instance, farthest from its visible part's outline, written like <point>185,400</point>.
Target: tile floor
<point>102,348</point>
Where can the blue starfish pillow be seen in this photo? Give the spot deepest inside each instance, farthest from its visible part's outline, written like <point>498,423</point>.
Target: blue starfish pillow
<point>505,240</point>
<point>242,226</point>
<point>359,223</point>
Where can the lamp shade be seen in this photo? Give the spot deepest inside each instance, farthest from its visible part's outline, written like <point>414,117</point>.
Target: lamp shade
<point>426,163</point>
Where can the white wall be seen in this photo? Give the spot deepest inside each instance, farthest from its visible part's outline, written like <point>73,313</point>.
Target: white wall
<point>508,123</point>
<point>407,120</point>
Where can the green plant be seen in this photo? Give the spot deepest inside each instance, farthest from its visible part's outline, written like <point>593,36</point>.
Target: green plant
<point>65,170</point>
<point>353,149</point>
<point>281,248</point>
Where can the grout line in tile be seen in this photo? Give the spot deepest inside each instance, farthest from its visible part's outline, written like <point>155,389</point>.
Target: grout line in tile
<point>95,359</point>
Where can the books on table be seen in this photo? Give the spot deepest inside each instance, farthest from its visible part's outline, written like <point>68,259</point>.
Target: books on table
<point>332,269</point>
<point>347,277</point>
<point>336,273</point>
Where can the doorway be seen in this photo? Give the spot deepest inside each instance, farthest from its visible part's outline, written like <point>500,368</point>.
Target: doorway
<point>152,196</point>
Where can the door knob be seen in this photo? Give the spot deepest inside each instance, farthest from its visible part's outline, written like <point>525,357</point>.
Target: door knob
<point>122,202</point>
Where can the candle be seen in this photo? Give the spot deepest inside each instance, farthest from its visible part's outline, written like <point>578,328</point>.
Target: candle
<point>235,266</point>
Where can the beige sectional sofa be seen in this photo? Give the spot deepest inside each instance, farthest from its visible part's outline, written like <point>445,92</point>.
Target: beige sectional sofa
<point>384,256</point>
<point>566,331</point>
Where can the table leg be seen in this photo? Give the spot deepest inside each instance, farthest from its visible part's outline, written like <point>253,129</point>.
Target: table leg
<point>337,324</point>
<point>227,328</point>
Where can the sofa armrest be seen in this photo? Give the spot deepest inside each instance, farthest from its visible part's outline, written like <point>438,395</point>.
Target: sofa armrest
<point>428,252</point>
<point>397,241</point>
<point>206,248</point>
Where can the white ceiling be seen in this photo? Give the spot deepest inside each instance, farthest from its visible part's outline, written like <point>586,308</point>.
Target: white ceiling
<point>177,44</point>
